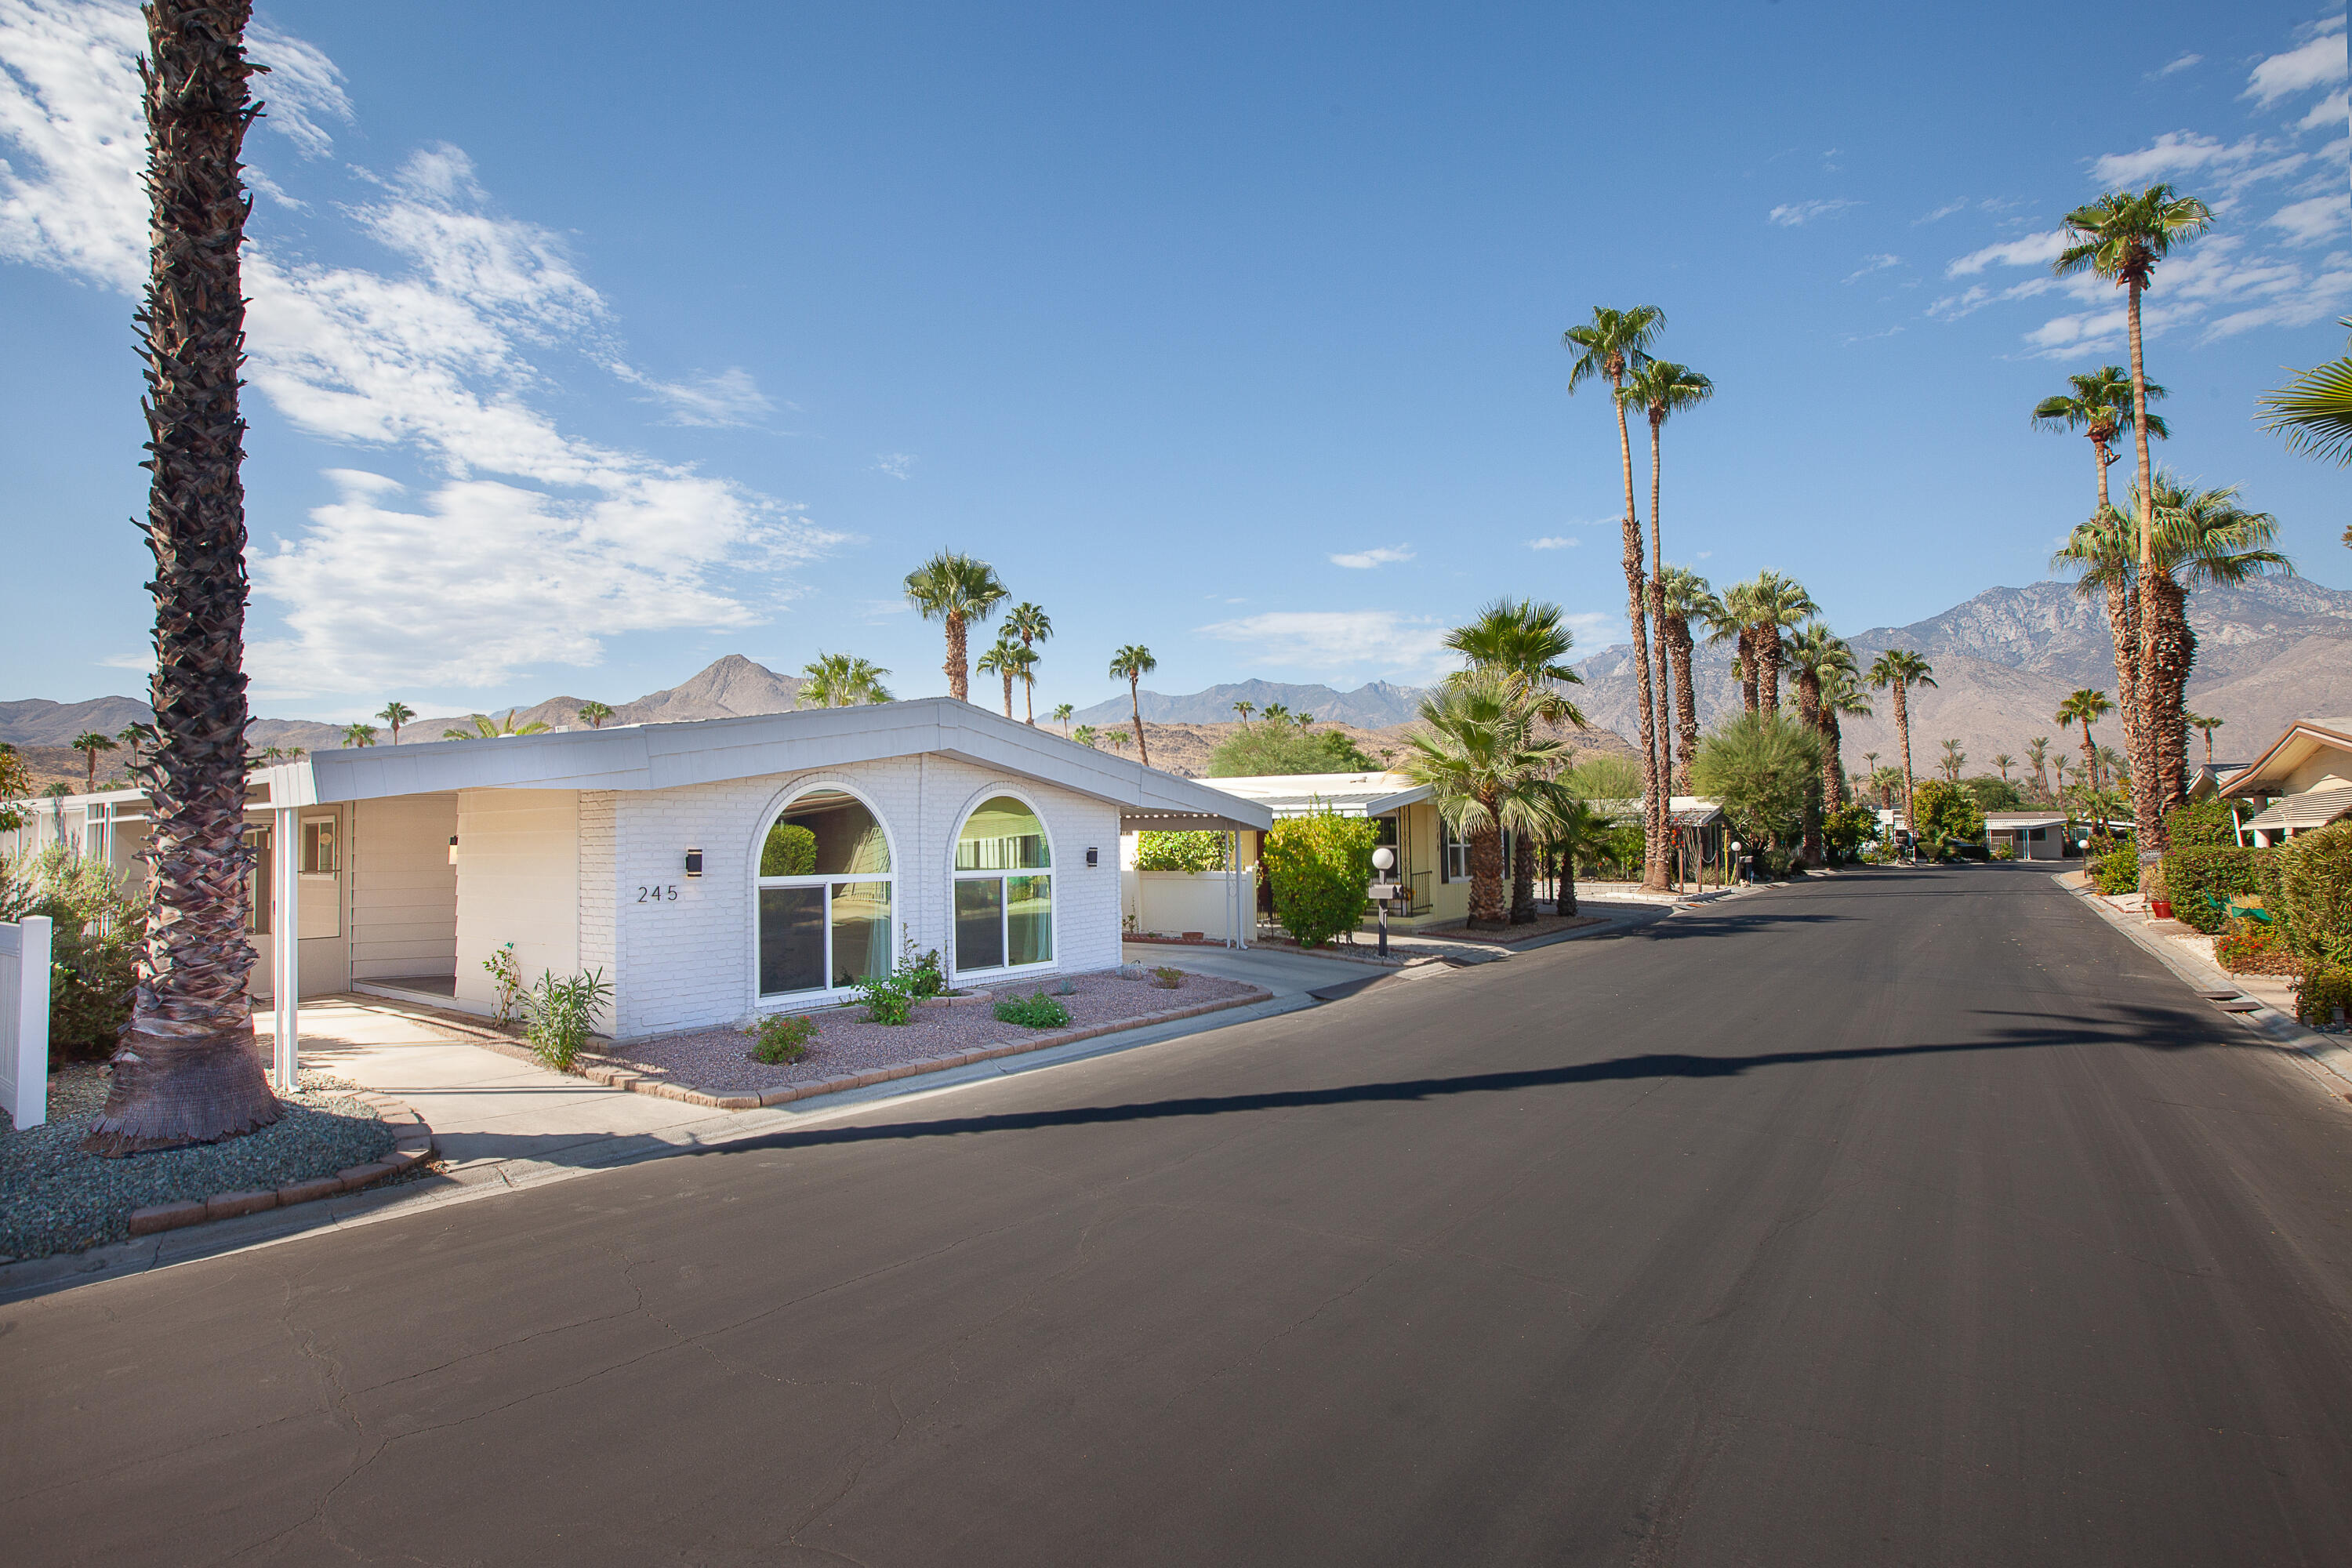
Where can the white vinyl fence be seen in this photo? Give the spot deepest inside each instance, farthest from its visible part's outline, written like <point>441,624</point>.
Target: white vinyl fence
<point>24,1020</point>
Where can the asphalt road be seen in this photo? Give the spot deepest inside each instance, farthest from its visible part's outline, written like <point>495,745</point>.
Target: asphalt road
<point>1912,1217</point>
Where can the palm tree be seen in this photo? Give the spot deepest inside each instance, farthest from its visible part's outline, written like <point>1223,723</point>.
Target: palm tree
<point>1244,710</point>
<point>2003,762</point>
<point>1842,699</point>
<point>485,729</point>
<point>1614,344</point>
<point>2199,722</point>
<point>2103,552</point>
<point>1116,740</point>
<point>1954,758</point>
<point>593,713</point>
<point>359,735</point>
<point>2086,706</point>
<point>1884,781</point>
<point>1899,670</point>
<point>1661,388</point>
<point>1489,771</point>
<point>1062,712</point>
<point>2037,757</point>
<point>1683,597</point>
<point>1131,664</point>
<point>1526,643</point>
<point>1576,830</point>
<point>1727,620</point>
<point>2121,237</point>
<point>1002,658</point>
<point>1031,624</point>
<point>1085,734</point>
<point>2314,412</point>
<point>1774,605</point>
<point>841,680</point>
<point>395,714</point>
<point>1820,658</point>
<point>90,742</point>
<point>185,1071</point>
<point>2202,537</point>
<point>140,738</point>
<point>1276,713</point>
<point>2097,407</point>
<point>959,590</point>
<point>1024,671</point>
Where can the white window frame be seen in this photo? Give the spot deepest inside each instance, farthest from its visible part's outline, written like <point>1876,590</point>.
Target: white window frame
<point>827,995</point>
<point>1052,870</point>
<point>1455,848</point>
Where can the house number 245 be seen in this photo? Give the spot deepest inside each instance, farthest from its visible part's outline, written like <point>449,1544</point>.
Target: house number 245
<point>662,895</point>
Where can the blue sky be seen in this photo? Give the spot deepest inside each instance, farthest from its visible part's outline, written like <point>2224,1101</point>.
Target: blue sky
<point>585,351</point>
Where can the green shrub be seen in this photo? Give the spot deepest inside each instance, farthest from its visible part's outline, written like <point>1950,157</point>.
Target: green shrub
<point>780,1040</point>
<point>921,972</point>
<point>1763,767</point>
<point>2202,879</point>
<point>506,974</point>
<point>790,851</point>
<point>2321,993</point>
<point>2118,870</point>
<point>2200,825</point>
<point>1037,1012</point>
<point>1848,828</point>
<point>94,942</point>
<point>562,1014</point>
<point>888,998</point>
<point>1992,793</point>
<point>1180,851</point>
<point>2314,897</point>
<point>1167,977</point>
<point>2254,947</point>
<point>1285,746</point>
<point>1320,867</point>
<point>1948,817</point>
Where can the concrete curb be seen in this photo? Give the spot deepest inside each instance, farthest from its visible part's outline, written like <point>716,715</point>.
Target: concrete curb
<point>616,1074</point>
<point>2274,1026</point>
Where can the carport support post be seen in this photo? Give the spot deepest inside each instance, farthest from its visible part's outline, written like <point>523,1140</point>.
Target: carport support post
<point>286,950</point>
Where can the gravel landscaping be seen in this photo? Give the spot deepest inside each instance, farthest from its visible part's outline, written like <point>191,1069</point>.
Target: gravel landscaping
<point>54,1198</point>
<point>719,1061</point>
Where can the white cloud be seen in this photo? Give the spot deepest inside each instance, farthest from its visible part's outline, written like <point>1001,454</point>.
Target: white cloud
<point>728,400</point>
<point>2181,63</point>
<point>1793,214</point>
<point>2174,152</point>
<point>1871,264</point>
<point>529,544</point>
<point>2312,64</point>
<point>897,465</point>
<point>2310,222</point>
<point>1554,542</point>
<point>1941,213</point>
<point>2034,250</point>
<point>2220,286</point>
<point>1365,559</point>
<point>1589,626</point>
<point>2332,110</point>
<point>1338,639</point>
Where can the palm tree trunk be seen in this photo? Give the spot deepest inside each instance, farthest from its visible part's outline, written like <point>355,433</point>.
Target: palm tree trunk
<point>1808,713</point>
<point>1029,701</point>
<point>1654,876</point>
<point>1903,735</point>
<point>1768,666</point>
<point>1658,631</point>
<point>2099,460</point>
<point>1832,758</point>
<point>1685,707</point>
<point>1135,701</point>
<point>2167,607</point>
<point>1487,906</point>
<point>1008,693</point>
<point>1523,880</point>
<point>89,785</point>
<point>1746,654</point>
<point>2148,812</point>
<point>1564,889</point>
<point>186,1071</point>
<point>959,675</point>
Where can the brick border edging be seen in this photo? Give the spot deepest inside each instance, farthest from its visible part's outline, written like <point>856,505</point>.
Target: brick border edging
<point>411,1146</point>
<point>634,1082</point>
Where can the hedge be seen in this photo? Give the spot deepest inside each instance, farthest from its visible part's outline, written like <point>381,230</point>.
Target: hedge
<point>1320,867</point>
<point>2201,882</point>
<point>2314,896</point>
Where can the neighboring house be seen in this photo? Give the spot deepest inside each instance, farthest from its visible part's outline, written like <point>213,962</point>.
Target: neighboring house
<point>711,869</point>
<point>2028,835</point>
<point>2304,781</point>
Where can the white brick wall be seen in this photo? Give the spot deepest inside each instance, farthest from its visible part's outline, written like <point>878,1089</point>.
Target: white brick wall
<point>687,961</point>
<point>599,930</point>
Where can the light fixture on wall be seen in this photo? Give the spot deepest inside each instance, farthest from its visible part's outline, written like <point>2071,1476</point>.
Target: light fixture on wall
<point>1091,854</point>
<point>452,849</point>
<point>694,862</point>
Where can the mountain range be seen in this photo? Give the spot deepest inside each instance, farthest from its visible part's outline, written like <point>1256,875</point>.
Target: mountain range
<point>1374,705</point>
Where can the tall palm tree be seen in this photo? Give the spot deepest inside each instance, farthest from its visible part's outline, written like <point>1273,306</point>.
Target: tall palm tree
<point>1488,770</point>
<point>1116,739</point>
<point>1818,656</point>
<point>90,742</point>
<point>1954,759</point>
<point>1131,664</point>
<point>1031,624</point>
<point>2200,721</point>
<point>1728,621</point>
<point>2037,757</point>
<point>2314,412</point>
<point>841,680</point>
<point>2202,537</point>
<point>2099,406</point>
<point>2001,763</point>
<point>185,1071</point>
<point>1886,780</point>
<point>1842,699</point>
<point>1578,830</point>
<point>1775,604</point>
<point>1276,713</point>
<point>1003,658</point>
<point>2121,237</point>
<point>1683,597</point>
<point>395,714</point>
<point>1024,671</point>
<point>1528,643</point>
<point>956,589</point>
<point>1244,710</point>
<point>1610,346</point>
<point>2103,552</point>
<point>2085,706</point>
<point>1062,712</point>
<point>593,713</point>
<point>1899,670</point>
<point>359,735</point>
<point>1660,389</point>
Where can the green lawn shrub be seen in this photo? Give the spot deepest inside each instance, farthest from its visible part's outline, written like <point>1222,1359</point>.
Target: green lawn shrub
<point>2200,825</point>
<point>1948,817</point>
<point>94,942</point>
<point>780,1040</point>
<point>2118,870</point>
<point>1320,867</point>
<point>888,998</point>
<point>1156,851</point>
<point>1036,1012</point>
<point>2314,897</point>
<point>2324,996</point>
<point>562,1012</point>
<point>2202,879</point>
<point>1848,828</point>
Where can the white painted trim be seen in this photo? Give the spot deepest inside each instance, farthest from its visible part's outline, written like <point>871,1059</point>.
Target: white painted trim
<point>286,949</point>
<point>828,994</point>
<point>1053,869</point>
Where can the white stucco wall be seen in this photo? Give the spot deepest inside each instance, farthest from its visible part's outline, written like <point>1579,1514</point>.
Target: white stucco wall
<point>687,961</point>
<point>517,881</point>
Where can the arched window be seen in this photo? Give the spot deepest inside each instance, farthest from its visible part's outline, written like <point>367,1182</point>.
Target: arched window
<point>825,896</point>
<point>1003,895</point>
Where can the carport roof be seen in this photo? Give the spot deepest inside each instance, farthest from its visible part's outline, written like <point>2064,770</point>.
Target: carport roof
<point>713,751</point>
<point>1344,794</point>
